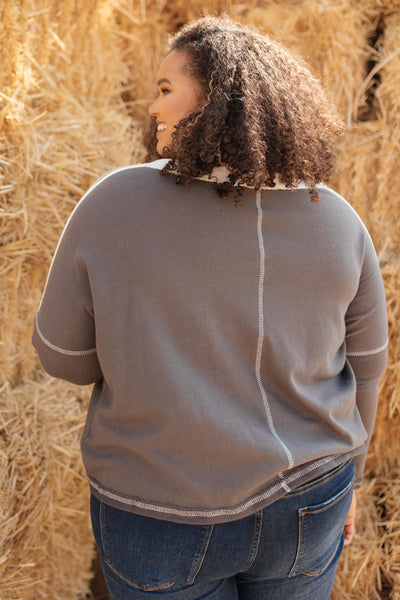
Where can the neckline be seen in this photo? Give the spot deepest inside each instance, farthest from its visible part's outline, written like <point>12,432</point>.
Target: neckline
<point>221,175</point>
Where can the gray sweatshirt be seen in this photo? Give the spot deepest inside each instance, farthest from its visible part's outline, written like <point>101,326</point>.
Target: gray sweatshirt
<point>236,354</point>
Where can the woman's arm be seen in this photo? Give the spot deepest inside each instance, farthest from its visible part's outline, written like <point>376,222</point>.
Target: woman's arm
<point>64,329</point>
<point>366,344</point>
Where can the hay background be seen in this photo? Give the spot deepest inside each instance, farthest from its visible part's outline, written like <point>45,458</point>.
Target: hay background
<point>75,82</point>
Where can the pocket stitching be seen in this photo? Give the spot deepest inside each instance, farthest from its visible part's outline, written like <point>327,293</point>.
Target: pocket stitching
<point>114,570</point>
<point>307,510</point>
<point>200,559</point>
<point>163,586</point>
<point>315,573</point>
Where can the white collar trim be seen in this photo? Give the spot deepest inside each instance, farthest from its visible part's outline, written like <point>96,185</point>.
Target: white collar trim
<point>220,175</point>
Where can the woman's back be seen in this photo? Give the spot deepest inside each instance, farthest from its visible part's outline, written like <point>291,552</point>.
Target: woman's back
<point>209,339</point>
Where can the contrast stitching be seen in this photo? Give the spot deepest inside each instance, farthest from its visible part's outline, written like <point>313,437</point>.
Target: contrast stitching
<point>303,512</point>
<point>283,482</point>
<point>242,507</point>
<point>309,469</point>
<point>261,333</point>
<point>202,554</point>
<point>156,165</point>
<point>369,352</point>
<point>256,540</point>
<point>163,586</point>
<point>183,512</point>
<point>57,348</point>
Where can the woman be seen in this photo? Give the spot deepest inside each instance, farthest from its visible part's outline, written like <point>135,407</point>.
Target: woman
<point>236,354</point>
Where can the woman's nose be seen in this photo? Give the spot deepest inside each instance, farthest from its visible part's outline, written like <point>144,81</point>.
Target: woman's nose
<point>152,109</point>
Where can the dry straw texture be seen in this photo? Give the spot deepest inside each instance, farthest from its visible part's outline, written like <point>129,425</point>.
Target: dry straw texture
<point>76,79</point>
<point>45,541</point>
<point>63,124</point>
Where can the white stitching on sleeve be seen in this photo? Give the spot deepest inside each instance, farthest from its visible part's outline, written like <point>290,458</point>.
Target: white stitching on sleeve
<point>57,348</point>
<point>369,352</point>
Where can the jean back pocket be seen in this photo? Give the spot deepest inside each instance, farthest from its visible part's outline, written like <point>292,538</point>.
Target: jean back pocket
<point>150,554</point>
<point>320,533</point>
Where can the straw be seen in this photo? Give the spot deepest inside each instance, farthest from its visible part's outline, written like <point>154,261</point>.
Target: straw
<point>75,85</point>
<point>46,545</point>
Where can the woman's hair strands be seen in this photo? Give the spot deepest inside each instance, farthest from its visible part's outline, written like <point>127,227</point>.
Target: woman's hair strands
<point>265,116</point>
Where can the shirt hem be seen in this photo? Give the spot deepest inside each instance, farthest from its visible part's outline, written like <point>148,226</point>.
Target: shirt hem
<point>278,488</point>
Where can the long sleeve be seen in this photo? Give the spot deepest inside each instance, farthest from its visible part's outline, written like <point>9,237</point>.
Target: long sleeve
<point>64,330</point>
<point>366,343</point>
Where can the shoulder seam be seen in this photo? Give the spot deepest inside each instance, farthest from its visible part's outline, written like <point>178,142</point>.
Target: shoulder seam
<point>157,165</point>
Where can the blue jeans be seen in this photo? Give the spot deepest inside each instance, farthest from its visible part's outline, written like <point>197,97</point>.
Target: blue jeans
<point>287,551</point>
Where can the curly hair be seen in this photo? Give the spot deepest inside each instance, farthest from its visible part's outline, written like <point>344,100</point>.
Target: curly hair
<point>264,115</point>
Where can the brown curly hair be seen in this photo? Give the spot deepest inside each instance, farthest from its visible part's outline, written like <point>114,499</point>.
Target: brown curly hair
<point>265,114</point>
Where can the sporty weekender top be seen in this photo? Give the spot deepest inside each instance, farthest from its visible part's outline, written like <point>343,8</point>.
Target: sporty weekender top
<point>236,354</point>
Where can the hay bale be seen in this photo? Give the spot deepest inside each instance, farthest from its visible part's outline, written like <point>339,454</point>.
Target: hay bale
<point>378,7</point>
<point>385,444</point>
<point>370,566</point>
<point>46,545</point>
<point>142,29</point>
<point>63,125</point>
<point>368,180</point>
<point>337,53</point>
<point>387,93</point>
<point>74,94</point>
<point>388,501</point>
<point>358,575</point>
